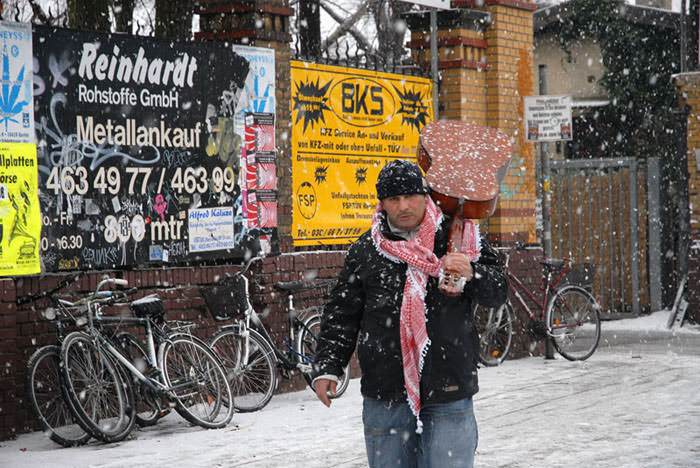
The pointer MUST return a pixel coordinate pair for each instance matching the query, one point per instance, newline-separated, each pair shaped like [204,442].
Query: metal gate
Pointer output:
[597,205]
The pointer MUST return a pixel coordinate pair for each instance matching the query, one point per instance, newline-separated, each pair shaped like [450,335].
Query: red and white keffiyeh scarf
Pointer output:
[422,262]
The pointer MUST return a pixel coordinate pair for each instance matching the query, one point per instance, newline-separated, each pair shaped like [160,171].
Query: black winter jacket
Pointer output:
[367,302]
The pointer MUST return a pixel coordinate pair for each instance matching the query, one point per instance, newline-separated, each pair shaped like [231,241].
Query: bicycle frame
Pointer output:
[250,316]
[548,287]
[294,324]
[517,288]
[61,314]
[253,362]
[565,310]
[104,343]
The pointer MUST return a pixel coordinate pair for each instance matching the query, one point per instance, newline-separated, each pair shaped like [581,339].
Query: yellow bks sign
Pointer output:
[20,216]
[347,124]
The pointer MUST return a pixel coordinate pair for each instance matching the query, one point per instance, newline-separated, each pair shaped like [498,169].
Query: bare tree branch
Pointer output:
[38,12]
[147,10]
[387,16]
[346,25]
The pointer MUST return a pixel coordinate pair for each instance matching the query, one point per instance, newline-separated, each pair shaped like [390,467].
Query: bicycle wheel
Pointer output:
[253,380]
[196,380]
[308,339]
[100,399]
[495,328]
[573,321]
[150,406]
[43,388]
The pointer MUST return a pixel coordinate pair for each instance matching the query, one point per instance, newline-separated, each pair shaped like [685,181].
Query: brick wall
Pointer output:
[23,329]
[8,364]
[689,88]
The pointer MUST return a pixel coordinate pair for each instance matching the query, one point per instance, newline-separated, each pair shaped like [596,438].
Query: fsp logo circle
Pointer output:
[306,200]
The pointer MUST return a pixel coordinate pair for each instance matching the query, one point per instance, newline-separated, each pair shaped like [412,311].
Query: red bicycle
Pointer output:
[567,313]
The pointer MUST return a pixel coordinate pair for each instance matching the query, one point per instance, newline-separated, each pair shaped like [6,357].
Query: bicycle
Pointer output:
[246,348]
[183,370]
[568,314]
[43,381]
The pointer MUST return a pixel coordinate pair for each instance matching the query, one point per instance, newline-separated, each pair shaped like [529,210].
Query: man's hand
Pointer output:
[454,273]
[458,262]
[325,389]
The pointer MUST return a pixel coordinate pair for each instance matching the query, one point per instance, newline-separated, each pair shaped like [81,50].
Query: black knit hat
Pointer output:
[400,177]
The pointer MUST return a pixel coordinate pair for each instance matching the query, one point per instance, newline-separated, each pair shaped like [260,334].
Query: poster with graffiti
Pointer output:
[346,125]
[257,97]
[16,106]
[261,170]
[20,216]
[135,148]
[258,93]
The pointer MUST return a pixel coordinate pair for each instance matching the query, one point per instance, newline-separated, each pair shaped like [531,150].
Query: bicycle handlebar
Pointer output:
[247,265]
[545,261]
[97,295]
[291,287]
[115,281]
[62,284]
[517,246]
[115,296]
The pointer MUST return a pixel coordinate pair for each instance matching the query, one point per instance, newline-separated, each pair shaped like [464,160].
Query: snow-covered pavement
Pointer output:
[634,403]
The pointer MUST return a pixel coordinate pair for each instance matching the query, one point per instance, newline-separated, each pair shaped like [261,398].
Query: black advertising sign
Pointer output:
[132,165]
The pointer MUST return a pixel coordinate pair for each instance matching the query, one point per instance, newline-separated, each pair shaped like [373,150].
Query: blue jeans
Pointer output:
[449,435]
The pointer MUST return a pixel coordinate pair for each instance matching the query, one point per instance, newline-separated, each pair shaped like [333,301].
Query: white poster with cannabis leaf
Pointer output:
[16,104]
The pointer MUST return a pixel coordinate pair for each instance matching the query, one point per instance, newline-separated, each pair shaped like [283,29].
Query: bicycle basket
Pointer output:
[581,274]
[227,298]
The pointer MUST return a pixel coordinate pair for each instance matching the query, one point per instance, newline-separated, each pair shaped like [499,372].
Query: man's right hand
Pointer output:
[325,389]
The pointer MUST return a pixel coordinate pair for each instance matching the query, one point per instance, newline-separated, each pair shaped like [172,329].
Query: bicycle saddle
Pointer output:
[148,306]
[294,286]
[553,263]
[291,286]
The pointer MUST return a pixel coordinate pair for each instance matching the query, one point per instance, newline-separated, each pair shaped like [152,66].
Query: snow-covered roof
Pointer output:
[550,15]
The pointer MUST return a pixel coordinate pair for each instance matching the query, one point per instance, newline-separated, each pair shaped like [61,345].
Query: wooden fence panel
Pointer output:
[591,223]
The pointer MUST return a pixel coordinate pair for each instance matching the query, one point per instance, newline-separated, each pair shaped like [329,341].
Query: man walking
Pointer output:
[418,348]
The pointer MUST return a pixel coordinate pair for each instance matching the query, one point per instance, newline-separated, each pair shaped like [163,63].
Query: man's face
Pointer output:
[405,211]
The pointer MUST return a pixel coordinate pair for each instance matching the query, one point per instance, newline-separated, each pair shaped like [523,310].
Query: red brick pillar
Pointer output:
[9,359]
[485,60]
[689,89]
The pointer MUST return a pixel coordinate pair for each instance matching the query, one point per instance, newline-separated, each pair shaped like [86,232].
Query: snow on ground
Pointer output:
[634,403]
[654,322]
